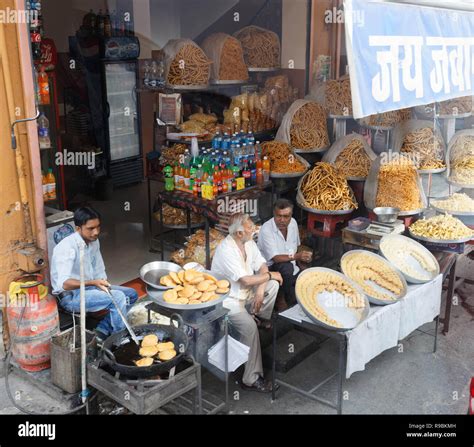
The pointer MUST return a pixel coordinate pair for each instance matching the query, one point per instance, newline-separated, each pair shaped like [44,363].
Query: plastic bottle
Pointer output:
[216,141]
[51,185]
[246,174]
[253,173]
[192,178]
[259,165]
[43,87]
[266,169]
[45,186]
[43,132]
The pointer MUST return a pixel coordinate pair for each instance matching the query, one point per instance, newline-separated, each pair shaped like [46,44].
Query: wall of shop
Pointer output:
[294,34]
[16,102]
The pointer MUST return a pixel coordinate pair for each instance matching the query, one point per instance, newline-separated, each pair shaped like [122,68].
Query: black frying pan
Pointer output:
[119,350]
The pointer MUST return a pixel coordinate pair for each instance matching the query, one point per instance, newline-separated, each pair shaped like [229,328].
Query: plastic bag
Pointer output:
[429,152]
[399,186]
[315,130]
[225,66]
[460,159]
[261,47]
[194,71]
[338,147]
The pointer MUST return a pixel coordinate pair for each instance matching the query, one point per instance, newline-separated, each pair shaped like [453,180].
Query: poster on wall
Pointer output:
[402,56]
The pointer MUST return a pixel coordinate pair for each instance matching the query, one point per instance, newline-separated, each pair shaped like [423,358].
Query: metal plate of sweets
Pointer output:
[334,304]
[398,240]
[372,284]
[441,241]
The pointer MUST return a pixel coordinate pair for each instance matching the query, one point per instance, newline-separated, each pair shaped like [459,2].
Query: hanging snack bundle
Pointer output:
[186,63]
[338,97]
[261,47]
[227,57]
[387,119]
[461,158]
[352,156]
[422,141]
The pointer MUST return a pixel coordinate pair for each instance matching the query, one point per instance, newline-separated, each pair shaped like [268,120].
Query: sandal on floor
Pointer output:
[260,385]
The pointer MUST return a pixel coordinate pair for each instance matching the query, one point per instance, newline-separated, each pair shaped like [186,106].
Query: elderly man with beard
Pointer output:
[252,293]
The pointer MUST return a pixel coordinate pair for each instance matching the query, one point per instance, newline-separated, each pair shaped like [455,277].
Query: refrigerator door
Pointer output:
[121,81]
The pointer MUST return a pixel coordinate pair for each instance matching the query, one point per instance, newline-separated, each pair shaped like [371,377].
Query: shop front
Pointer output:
[254,170]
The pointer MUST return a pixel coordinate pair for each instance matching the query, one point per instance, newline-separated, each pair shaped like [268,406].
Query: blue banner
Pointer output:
[404,55]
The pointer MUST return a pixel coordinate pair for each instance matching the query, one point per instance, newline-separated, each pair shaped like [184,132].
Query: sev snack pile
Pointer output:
[338,97]
[397,186]
[388,119]
[282,158]
[261,47]
[353,161]
[462,160]
[441,227]
[455,106]
[323,188]
[172,154]
[426,146]
[190,66]
[457,202]
[308,128]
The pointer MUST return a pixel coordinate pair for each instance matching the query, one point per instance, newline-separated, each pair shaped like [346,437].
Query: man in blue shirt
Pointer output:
[65,274]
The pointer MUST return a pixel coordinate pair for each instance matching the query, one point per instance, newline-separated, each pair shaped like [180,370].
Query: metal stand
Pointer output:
[196,325]
[314,330]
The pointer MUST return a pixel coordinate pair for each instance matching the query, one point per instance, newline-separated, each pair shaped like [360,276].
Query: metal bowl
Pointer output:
[152,272]
[386,214]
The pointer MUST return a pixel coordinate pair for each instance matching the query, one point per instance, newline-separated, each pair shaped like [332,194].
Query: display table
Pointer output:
[383,329]
[215,210]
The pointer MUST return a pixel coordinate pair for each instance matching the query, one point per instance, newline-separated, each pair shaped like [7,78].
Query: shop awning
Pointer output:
[407,55]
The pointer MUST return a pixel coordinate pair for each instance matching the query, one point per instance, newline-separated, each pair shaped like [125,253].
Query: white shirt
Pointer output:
[65,262]
[272,243]
[229,261]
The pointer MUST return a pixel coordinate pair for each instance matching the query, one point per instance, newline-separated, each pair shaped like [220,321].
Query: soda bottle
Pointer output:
[176,174]
[43,87]
[259,165]
[216,141]
[169,178]
[266,169]
[186,178]
[43,132]
[192,178]
[51,185]
[45,186]
[253,173]
[246,173]
[107,24]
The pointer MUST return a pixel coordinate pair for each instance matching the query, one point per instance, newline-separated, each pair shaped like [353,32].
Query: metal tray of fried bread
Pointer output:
[398,240]
[157,297]
[333,303]
[373,299]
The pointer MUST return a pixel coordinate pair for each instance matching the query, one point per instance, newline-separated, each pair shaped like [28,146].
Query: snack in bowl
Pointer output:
[149,340]
[193,287]
[148,351]
[145,361]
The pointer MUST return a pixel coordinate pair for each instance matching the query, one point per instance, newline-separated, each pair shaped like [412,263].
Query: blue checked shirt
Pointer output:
[65,262]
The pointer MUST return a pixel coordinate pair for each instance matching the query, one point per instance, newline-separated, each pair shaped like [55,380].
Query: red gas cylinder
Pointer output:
[31,338]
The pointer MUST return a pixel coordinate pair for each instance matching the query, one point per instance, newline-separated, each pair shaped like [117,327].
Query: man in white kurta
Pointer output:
[278,241]
[252,294]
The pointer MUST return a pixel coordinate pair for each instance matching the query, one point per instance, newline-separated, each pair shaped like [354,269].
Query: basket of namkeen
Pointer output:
[227,58]
[338,97]
[416,263]
[386,120]
[284,162]
[331,299]
[261,47]
[323,190]
[460,159]
[382,283]
[393,181]
[191,289]
[442,228]
[352,156]
[186,64]
[304,127]
[423,143]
